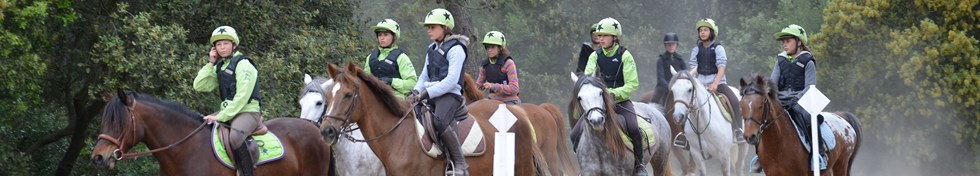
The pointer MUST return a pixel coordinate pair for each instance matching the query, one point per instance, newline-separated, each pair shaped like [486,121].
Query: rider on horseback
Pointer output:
[794,72]
[236,78]
[387,62]
[618,70]
[708,60]
[499,72]
[441,83]
[670,58]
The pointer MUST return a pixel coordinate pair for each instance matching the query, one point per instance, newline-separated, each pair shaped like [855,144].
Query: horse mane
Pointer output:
[612,126]
[117,110]
[381,90]
[470,91]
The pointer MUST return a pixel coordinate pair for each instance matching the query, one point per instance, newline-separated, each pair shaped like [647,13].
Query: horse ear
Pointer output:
[574,78]
[761,81]
[673,71]
[333,70]
[351,67]
[307,79]
[741,83]
[126,100]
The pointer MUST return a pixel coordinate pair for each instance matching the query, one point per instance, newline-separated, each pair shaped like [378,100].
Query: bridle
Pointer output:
[766,123]
[348,128]
[120,153]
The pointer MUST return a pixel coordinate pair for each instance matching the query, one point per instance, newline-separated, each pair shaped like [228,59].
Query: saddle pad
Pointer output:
[270,148]
[725,107]
[825,132]
[474,143]
[647,133]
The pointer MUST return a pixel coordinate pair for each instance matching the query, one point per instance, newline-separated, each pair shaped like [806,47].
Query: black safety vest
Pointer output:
[387,68]
[611,68]
[672,60]
[227,81]
[792,75]
[438,67]
[707,59]
[493,72]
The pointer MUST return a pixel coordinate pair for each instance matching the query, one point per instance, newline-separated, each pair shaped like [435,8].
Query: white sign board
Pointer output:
[814,101]
[503,154]
[502,119]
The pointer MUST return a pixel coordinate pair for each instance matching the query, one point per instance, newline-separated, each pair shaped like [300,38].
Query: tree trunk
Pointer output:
[464,26]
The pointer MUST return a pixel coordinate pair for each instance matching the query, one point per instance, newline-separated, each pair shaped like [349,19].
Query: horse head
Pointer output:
[757,107]
[590,94]
[343,97]
[313,98]
[119,132]
[687,92]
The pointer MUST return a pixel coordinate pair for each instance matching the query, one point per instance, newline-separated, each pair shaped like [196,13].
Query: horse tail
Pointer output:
[852,119]
[540,164]
[564,153]
[470,90]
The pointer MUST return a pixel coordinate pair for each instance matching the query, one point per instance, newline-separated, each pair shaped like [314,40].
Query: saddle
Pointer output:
[829,140]
[263,145]
[645,128]
[473,143]
[726,106]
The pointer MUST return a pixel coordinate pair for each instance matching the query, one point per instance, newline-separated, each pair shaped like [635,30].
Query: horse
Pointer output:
[169,130]
[774,134]
[356,156]
[708,134]
[687,165]
[386,122]
[549,127]
[601,149]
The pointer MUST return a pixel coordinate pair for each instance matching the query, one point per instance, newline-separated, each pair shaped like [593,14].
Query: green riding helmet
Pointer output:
[224,33]
[592,29]
[793,31]
[441,17]
[609,26]
[388,25]
[707,22]
[495,38]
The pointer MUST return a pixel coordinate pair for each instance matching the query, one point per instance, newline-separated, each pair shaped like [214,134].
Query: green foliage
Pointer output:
[921,59]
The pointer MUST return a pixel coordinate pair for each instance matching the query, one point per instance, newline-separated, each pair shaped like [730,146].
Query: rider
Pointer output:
[387,62]
[708,61]
[670,58]
[441,83]
[499,72]
[587,49]
[794,72]
[618,70]
[235,77]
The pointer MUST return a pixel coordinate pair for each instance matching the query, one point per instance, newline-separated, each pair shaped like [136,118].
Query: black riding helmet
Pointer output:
[670,38]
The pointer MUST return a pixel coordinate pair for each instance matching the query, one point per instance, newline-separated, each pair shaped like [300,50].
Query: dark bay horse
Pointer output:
[779,147]
[549,129]
[687,164]
[181,149]
[388,125]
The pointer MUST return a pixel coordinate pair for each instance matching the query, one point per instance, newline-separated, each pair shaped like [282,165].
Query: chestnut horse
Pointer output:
[549,128]
[181,149]
[779,147]
[387,123]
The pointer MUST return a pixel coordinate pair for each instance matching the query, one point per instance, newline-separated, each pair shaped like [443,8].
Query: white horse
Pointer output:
[709,134]
[352,158]
[601,150]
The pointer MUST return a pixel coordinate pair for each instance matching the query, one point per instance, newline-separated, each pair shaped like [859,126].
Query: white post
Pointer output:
[814,101]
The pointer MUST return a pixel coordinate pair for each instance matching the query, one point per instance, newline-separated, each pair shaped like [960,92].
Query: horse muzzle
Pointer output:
[104,161]
[330,134]
[752,139]
[597,124]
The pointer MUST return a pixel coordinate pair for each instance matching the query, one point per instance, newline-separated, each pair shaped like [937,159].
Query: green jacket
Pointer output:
[402,85]
[629,73]
[245,74]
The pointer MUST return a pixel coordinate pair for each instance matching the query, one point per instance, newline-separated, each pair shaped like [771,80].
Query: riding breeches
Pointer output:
[628,120]
[445,109]
[242,126]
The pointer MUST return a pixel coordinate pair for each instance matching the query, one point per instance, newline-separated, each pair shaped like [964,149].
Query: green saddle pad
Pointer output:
[724,110]
[644,127]
[270,148]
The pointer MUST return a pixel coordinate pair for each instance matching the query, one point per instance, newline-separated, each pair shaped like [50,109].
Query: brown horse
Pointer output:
[549,129]
[169,129]
[687,164]
[387,123]
[779,147]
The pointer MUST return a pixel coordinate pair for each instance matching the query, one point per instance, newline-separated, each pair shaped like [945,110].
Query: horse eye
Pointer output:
[347,95]
[319,103]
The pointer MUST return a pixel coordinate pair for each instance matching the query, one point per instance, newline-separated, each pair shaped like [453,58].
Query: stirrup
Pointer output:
[681,141]
[739,139]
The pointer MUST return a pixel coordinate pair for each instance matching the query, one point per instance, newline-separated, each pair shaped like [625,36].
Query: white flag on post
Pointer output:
[814,101]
